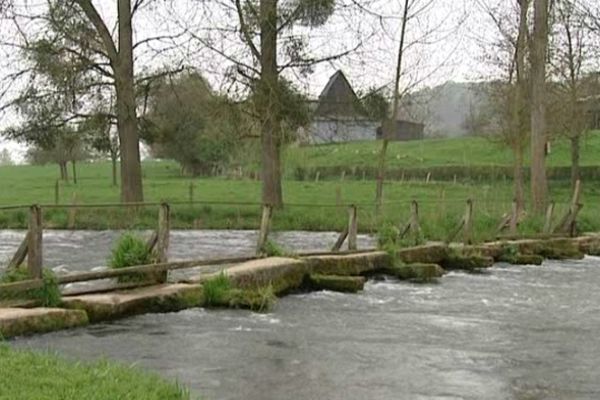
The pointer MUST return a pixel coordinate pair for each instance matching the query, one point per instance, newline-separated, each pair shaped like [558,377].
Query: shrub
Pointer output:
[216,290]
[48,295]
[388,236]
[272,249]
[130,251]
[219,292]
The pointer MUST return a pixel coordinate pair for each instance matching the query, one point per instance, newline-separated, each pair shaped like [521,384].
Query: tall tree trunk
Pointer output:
[575,155]
[113,159]
[64,173]
[389,127]
[539,183]
[131,169]
[519,112]
[518,178]
[268,95]
[74,171]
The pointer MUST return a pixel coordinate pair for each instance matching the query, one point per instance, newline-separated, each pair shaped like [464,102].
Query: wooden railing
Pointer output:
[31,248]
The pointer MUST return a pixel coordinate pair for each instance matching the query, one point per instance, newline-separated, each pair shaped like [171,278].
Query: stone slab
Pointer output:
[160,298]
[27,321]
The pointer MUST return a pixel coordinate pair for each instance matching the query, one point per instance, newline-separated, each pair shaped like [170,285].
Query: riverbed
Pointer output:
[515,332]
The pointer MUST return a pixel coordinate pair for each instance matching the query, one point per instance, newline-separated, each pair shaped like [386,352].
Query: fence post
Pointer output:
[20,255]
[164,231]
[468,228]
[72,212]
[352,228]
[57,192]
[265,225]
[514,218]
[569,221]
[549,215]
[34,245]
[191,192]
[415,227]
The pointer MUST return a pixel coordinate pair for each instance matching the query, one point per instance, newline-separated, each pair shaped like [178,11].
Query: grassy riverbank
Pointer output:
[29,375]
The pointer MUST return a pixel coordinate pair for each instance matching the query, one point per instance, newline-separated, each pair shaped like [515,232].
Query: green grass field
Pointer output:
[28,375]
[442,203]
[468,151]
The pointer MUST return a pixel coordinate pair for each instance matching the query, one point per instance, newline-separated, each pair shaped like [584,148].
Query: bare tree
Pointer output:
[412,11]
[390,124]
[570,51]
[510,95]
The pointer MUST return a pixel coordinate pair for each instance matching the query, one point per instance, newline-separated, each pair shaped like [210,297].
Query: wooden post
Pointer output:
[164,230]
[428,179]
[265,226]
[162,240]
[338,196]
[20,255]
[455,180]
[191,192]
[514,218]
[415,227]
[549,215]
[468,227]
[57,192]
[317,176]
[34,245]
[72,212]
[352,228]
[343,177]
[569,221]
[340,241]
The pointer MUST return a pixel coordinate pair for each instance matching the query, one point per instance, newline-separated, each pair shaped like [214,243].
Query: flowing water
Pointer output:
[512,333]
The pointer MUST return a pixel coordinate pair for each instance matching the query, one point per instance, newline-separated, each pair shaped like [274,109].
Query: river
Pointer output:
[515,332]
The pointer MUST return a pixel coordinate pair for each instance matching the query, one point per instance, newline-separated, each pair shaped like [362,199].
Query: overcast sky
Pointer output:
[447,41]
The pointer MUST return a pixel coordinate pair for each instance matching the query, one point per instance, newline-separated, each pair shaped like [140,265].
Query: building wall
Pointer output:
[337,130]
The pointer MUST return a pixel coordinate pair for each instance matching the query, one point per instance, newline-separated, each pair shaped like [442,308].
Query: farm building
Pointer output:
[339,117]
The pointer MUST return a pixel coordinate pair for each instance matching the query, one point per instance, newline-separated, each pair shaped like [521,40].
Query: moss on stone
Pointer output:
[418,272]
[472,263]
[336,283]
[552,249]
[431,254]
[40,320]
[348,265]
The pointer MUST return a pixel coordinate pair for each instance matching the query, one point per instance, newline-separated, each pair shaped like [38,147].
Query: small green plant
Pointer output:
[130,251]
[272,249]
[219,292]
[510,253]
[216,290]
[48,295]
[388,235]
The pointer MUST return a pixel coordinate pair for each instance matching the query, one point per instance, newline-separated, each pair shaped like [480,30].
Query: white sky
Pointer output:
[452,52]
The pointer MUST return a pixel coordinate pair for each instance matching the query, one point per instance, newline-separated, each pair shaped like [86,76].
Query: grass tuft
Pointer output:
[130,251]
[47,296]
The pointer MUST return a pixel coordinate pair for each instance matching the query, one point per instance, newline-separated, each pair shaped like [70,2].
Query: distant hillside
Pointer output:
[445,109]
